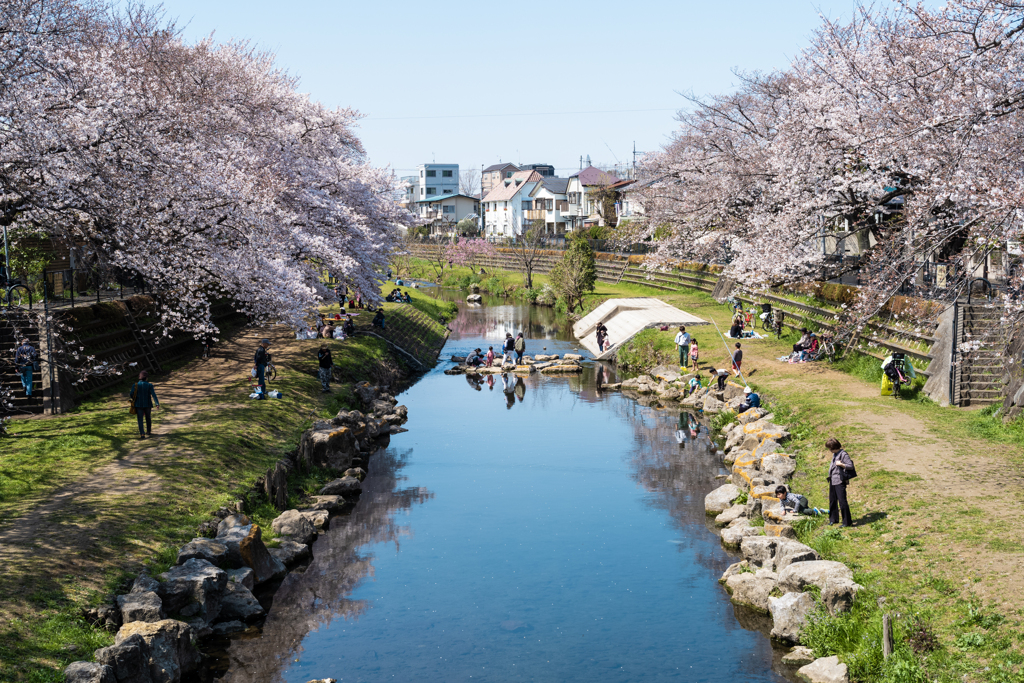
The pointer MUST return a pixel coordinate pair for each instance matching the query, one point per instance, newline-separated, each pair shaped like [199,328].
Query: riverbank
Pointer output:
[89,506]
[933,531]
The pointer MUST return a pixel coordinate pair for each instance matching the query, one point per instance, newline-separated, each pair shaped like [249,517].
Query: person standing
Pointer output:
[683,345]
[144,399]
[508,348]
[326,363]
[694,353]
[25,358]
[260,361]
[737,360]
[520,347]
[490,357]
[602,337]
[840,472]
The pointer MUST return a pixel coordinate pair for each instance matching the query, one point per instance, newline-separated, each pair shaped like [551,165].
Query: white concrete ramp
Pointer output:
[624,318]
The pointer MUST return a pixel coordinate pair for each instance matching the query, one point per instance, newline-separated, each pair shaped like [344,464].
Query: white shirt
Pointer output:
[682,338]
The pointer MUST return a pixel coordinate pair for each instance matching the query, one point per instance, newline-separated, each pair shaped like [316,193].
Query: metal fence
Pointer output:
[71,287]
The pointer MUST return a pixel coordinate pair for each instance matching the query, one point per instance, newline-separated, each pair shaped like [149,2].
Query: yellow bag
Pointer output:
[886,386]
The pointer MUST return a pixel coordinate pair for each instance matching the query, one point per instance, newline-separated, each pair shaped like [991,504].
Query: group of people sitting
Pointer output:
[397,296]
[336,327]
[805,349]
[742,324]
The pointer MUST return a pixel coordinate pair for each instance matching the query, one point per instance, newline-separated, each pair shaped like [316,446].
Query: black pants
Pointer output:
[721,382]
[147,414]
[837,504]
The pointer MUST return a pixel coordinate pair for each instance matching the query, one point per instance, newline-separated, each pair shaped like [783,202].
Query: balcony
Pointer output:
[535,215]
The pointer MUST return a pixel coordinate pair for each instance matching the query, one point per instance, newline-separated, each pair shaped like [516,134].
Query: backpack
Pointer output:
[520,345]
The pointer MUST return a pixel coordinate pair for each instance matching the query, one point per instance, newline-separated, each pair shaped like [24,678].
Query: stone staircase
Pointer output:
[15,325]
[411,330]
[979,378]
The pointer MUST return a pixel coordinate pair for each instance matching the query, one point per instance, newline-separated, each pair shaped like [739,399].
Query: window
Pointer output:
[562,205]
[549,204]
[421,174]
[421,191]
[446,174]
[431,191]
[527,205]
[431,174]
[447,208]
[508,174]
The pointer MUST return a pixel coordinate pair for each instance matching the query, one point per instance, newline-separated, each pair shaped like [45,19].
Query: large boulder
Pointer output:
[713,405]
[798,575]
[767,446]
[775,553]
[290,553]
[213,551]
[129,660]
[326,504]
[140,606]
[824,670]
[88,672]
[332,446]
[733,535]
[790,552]
[231,538]
[320,519]
[243,577]
[265,566]
[799,656]
[345,486]
[838,594]
[731,515]
[732,391]
[763,428]
[194,588]
[239,604]
[733,569]
[232,521]
[779,466]
[293,524]
[721,499]
[169,652]
[665,373]
[789,614]
[752,415]
[752,590]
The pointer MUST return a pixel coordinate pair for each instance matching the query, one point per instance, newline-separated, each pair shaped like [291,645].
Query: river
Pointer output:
[550,532]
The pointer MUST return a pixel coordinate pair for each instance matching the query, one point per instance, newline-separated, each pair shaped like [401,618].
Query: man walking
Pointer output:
[326,363]
[261,361]
[508,347]
[144,399]
[520,347]
[24,360]
[683,345]
[840,472]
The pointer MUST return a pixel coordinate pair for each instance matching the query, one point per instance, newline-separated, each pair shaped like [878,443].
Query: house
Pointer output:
[408,192]
[546,170]
[437,179]
[584,211]
[492,175]
[505,207]
[550,204]
[627,205]
[442,213]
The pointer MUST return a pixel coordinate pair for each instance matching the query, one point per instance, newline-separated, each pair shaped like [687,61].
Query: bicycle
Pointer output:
[826,350]
[14,294]
[766,317]
[778,317]
[896,371]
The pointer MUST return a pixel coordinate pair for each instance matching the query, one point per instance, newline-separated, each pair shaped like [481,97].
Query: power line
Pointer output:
[536,113]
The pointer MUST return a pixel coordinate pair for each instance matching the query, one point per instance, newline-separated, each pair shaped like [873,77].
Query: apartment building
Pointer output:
[493,175]
[435,180]
[443,212]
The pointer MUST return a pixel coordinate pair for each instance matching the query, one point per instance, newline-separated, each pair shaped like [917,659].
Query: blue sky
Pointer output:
[423,73]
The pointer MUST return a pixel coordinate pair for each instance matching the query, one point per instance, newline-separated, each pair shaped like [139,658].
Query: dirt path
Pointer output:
[64,535]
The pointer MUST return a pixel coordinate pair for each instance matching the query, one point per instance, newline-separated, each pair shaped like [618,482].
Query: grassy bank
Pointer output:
[131,504]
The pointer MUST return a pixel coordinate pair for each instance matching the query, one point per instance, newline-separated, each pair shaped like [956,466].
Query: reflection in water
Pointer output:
[310,600]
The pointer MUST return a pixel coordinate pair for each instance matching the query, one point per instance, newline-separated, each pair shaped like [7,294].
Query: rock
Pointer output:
[564,369]
[732,456]
[775,553]
[721,499]
[759,551]
[168,651]
[752,590]
[572,356]
[612,387]
[824,670]
[838,594]
[195,581]
[713,405]
[323,680]
[799,656]
[243,577]
[332,445]
[357,472]
[326,503]
[239,604]
[798,575]
[752,415]
[232,538]
[141,606]
[731,515]
[669,395]
[275,484]
[107,617]
[289,552]
[789,614]
[763,428]
[380,408]
[778,466]
[144,584]
[291,523]
[541,358]
[265,567]
[232,521]
[734,535]
[790,552]
[665,373]
[129,660]
[88,672]
[474,298]
[779,531]
[320,519]
[346,486]
[766,447]
[732,391]
[213,551]
[226,628]
[733,569]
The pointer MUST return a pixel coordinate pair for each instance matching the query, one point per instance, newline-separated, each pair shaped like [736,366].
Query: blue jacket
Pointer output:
[145,396]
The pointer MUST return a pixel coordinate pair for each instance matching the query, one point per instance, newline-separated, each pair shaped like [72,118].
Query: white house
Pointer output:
[442,213]
[582,212]
[505,207]
[550,204]
[437,179]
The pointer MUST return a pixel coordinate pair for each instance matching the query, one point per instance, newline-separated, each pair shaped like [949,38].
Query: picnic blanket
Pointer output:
[753,335]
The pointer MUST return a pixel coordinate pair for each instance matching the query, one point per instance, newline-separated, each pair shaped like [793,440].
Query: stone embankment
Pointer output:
[211,590]
[778,576]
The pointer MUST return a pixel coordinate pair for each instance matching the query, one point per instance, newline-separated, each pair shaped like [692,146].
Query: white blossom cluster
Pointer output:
[198,166]
[900,130]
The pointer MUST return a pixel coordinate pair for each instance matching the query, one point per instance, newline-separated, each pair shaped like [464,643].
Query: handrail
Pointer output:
[952,355]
